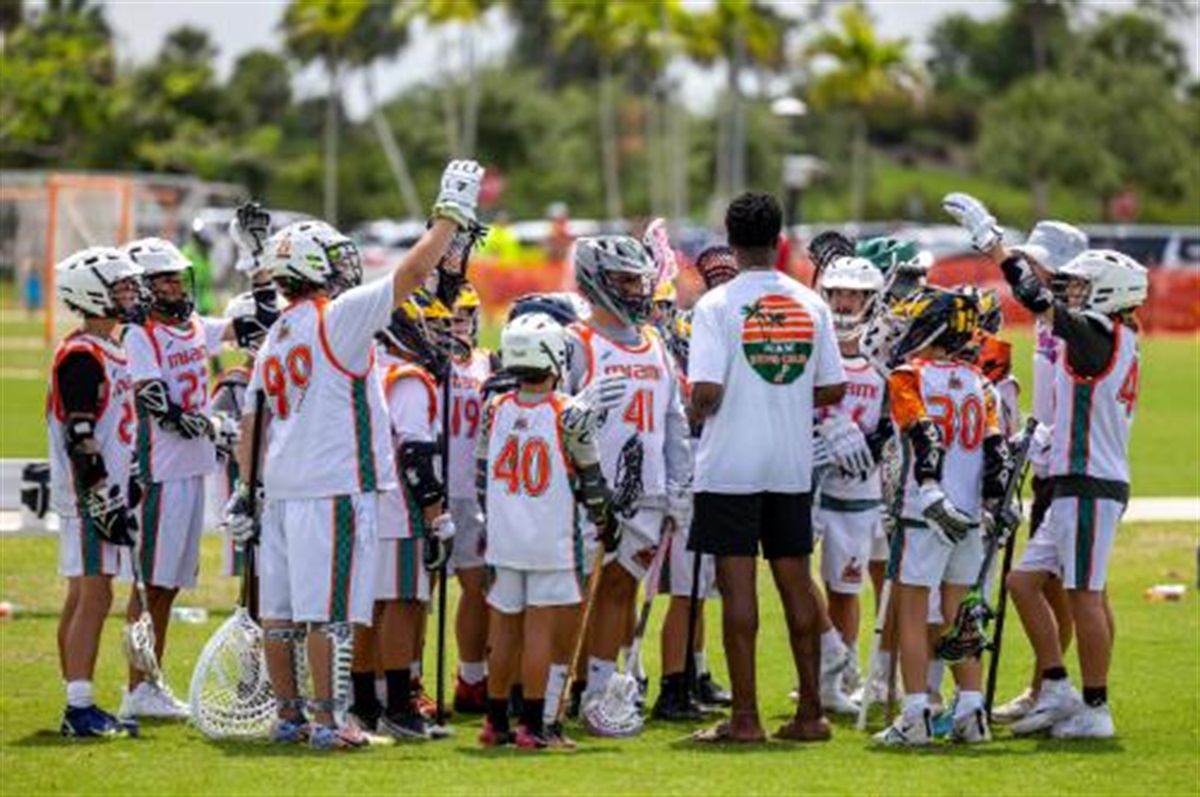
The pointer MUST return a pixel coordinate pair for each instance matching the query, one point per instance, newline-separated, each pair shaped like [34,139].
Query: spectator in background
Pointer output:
[501,242]
[558,242]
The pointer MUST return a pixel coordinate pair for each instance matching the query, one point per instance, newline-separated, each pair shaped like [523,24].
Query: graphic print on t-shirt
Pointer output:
[777,338]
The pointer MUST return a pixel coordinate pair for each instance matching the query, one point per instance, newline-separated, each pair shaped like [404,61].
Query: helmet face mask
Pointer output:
[930,317]
[163,267]
[851,286]
[312,254]
[1105,282]
[617,274]
[410,336]
[101,282]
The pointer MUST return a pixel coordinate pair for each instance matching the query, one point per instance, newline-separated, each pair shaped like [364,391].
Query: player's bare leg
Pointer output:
[364,667]
[737,580]
[280,650]
[65,618]
[1094,638]
[505,632]
[401,625]
[1037,617]
[565,629]
[541,641]
[801,608]
[609,632]
[86,625]
[470,631]
[877,570]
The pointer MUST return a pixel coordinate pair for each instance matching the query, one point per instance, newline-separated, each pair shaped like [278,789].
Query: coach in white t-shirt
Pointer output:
[763,357]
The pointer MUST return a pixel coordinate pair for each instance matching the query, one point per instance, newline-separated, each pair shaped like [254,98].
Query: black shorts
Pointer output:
[725,524]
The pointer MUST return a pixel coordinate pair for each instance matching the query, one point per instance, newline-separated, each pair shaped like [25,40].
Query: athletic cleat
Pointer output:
[290,731]
[93,722]
[424,703]
[409,725]
[470,698]
[711,693]
[835,701]
[556,738]
[1057,701]
[490,737]
[675,705]
[971,728]
[1015,709]
[324,737]
[150,700]
[525,739]
[366,718]
[1090,722]
[907,731]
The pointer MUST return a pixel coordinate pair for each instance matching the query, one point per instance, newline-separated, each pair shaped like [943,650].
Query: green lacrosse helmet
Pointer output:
[886,252]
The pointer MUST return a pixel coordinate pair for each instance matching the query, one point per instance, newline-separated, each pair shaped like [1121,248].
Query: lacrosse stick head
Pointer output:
[967,638]
[231,695]
[139,646]
[615,713]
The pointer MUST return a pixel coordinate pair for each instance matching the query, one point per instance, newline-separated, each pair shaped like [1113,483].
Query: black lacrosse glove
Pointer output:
[109,513]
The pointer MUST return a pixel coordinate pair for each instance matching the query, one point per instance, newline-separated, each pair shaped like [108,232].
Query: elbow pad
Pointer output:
[152,400]
[85,454]
[1026,287]
[594,493]
[997,466]
[419,466]
[928,453]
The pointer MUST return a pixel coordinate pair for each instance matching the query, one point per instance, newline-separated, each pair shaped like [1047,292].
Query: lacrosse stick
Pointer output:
[439,730]
[139,637]
[967,637]
[657,240]
[616,713]
[593,587]
[231,694]
[826,247]
[885,603]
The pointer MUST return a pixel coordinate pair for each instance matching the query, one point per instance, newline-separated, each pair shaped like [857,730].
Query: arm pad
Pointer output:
[153,400]
[926,442]
[419,469]
[1026,287]
[878,438]
[997,466]
[85,454]
[594,493]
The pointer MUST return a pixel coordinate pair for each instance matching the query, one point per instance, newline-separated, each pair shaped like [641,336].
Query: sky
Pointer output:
[239,26]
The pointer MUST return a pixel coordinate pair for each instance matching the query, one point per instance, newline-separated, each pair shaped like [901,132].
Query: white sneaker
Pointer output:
[852,675]
[909,730]
[1057,701]
[971,728]
[833,660]
[835,701]
[1090,722]
[1015,709]
[149,700]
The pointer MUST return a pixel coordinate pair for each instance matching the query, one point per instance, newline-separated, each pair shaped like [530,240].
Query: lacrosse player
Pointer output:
[321,478]
[470,367]
[535,457]
[168,361]
[847,515]
[958,459]
[90,415]
[643,445]
[414,527]
[763,358]
[1096,381]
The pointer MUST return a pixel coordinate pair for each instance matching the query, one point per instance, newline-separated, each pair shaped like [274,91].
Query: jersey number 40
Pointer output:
[523,466]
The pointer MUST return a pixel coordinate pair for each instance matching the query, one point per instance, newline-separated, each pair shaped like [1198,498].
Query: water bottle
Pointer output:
[189,614]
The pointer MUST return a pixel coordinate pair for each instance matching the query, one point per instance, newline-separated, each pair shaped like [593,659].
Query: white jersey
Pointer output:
[532,520]
[320,441]
[864,403]
[954,397]
[642,420]
[412,405]
[1046,354]
[466,412]
[178,357]
[1093,417]
[114,424]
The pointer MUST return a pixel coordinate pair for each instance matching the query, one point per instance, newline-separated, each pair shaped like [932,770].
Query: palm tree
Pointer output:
[867,68]
[321,30]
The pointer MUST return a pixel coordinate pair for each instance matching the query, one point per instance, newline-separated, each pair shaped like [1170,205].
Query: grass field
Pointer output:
[1166,436]
[1153,683]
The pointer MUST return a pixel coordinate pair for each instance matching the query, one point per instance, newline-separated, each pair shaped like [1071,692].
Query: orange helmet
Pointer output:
[995,358]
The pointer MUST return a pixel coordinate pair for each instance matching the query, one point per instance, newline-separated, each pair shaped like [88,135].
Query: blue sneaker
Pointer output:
[289,731]
[325,737]
[943,723]
[95,723]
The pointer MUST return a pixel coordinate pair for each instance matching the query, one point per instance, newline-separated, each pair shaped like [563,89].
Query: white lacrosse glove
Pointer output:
[587,409]
[947,521]
[822,457]
[976,218]
[227,431]
[442,527]
[237,520]
[459,194]
[847,445]
[249,229]
[1039,446]
[679,507]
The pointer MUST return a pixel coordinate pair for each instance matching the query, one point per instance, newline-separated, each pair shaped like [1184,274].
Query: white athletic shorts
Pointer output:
[172,521]
[513,591]
[470,538]
[845,545]
[640,535]
[921,559]
[316,559]
[677,570]
[1075,541]
[880,549]
[83,552]
[400,573]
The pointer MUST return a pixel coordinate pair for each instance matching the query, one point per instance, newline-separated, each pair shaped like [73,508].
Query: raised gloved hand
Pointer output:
[249,229]
[109,513]
[976,218]
[847,445]
[948,521]
[238,521]
[442,527]
[459,194]
[584,411]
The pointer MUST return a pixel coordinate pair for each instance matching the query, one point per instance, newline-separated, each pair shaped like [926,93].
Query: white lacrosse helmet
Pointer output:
[86,282]
[1116,281]
[156,256]
[316,253]
[852,274]
[533,343]
[1053,244]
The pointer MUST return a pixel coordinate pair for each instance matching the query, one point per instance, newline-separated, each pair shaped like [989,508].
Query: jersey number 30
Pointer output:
[524,467]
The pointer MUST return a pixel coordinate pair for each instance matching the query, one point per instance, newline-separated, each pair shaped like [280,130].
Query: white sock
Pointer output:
[885,666]
[80,694]
[472,671]
[915,703]
[701,660]
[967,703]
[556,681]
[600,672]
[831,640]
[933,679]
[852,651]
[415,669]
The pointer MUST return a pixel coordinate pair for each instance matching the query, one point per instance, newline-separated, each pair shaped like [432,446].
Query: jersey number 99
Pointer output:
[295,368]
